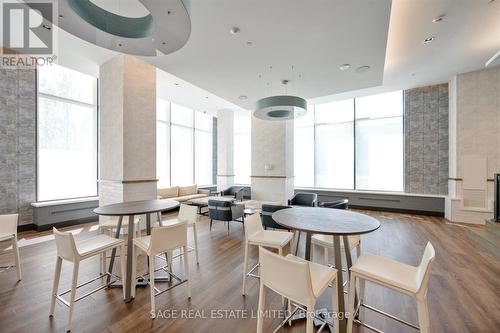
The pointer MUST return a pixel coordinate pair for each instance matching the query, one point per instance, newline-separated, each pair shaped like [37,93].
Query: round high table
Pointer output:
[130,209]
[327,221]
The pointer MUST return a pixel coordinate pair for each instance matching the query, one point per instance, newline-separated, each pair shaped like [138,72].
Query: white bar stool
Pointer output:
[300,281]
[326,242]
[188,214]
[110,226]
[409,280]
[162,240]
[256,235]
[8,231]
[74,252]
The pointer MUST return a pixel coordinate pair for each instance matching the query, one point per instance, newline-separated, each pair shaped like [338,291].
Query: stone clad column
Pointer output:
[127,130]
[225,149]
[272,160]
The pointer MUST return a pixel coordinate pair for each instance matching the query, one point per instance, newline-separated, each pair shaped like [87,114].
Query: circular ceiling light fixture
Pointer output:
[156,32]
[439,18]
[362,69]
[243,97]
[283,107]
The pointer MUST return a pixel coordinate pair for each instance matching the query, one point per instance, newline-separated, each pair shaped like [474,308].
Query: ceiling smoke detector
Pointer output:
[362,69]
[438,18]
[234,30]
[429,39]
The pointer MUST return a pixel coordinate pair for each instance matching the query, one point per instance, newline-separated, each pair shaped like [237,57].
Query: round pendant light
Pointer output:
[282,107]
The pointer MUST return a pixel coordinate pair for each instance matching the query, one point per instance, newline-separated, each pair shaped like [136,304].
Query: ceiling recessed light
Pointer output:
[429,39]
[243,97]
[176,84]
[234,30]
[46,27]
[249,43]
[61,16]
[163,43]
[362,69]
[439,18]
[344,67]
[206,97]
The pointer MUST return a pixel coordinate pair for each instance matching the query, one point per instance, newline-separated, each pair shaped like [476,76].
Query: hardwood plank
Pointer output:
[464,293]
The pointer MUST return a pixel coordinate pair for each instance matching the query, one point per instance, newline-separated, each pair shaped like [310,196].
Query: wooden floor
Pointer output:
[464,292]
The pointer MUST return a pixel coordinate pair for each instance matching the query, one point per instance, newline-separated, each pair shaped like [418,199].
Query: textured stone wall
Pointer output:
[426,140]
[17,142]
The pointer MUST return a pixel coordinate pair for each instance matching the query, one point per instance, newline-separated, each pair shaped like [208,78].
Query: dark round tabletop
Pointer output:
[326,221]
[136,207]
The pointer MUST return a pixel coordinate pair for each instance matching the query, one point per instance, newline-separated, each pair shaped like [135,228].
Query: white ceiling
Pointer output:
[316,37]
[313,36]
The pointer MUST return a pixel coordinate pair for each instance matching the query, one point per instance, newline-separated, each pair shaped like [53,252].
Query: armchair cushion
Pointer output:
[267,219]
[304,199]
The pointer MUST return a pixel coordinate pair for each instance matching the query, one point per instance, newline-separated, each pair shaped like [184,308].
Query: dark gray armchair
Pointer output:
[303,199]
[225,211]
[237,192]
[337,204]
[267,218]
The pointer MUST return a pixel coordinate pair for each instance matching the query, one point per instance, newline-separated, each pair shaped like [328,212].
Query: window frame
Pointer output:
[193,129]
[94,105]
[355,120]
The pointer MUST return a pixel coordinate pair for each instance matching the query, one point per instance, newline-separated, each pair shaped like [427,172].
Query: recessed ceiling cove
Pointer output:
[315,37]
[164,27]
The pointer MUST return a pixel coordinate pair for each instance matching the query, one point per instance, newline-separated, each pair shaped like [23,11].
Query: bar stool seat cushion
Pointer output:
[387,271]
[97,244]
[270,238]
[327,241]
[177,221]
[321,275]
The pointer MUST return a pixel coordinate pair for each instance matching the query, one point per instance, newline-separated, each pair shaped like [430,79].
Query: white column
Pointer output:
[225,149]
[272,160]
[127,130]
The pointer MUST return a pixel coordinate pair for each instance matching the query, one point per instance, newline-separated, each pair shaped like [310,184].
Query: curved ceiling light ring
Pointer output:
[283,107]
[164,30]
[128,27]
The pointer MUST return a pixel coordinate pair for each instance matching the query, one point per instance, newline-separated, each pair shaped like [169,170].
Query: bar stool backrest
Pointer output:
[424,269]
[289,278]
[188,213]
[66,246]
[253,225]
[168,237]
[8,224]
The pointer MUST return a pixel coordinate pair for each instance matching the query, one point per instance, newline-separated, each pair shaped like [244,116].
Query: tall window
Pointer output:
[163,143]
[304,149]
[242,148]
[379,142]
[352,144]
[183,145]
[67,134]
[203,159]
[335,144]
